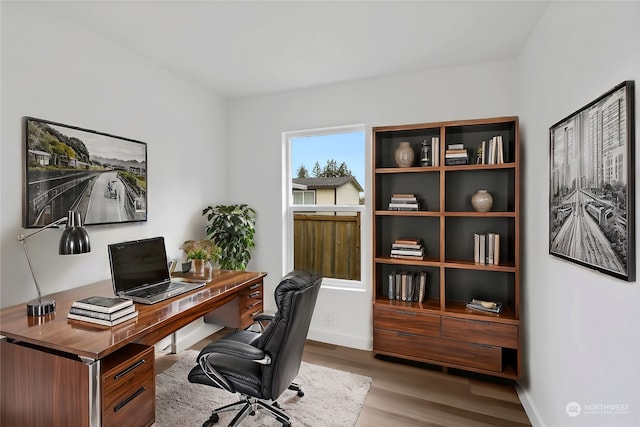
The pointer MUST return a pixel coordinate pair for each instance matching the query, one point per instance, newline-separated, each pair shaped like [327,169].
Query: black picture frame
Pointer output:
[101,176]
[591,185]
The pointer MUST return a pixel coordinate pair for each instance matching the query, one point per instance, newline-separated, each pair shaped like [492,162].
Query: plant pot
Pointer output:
[202,268]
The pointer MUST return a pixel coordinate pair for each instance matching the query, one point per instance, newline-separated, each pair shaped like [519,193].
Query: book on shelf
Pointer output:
[408,241]
[398,285]
[459,146]
[421,287]
[412,257]
[435,150]
[455,153]
[456,161]
[487,306]
[103,322]
[102,304]
[406,246]
[104,316]
[407,251]
[486,248]
[404,206]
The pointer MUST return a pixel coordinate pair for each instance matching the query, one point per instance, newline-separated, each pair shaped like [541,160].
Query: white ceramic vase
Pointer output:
[404,155]
[482,201]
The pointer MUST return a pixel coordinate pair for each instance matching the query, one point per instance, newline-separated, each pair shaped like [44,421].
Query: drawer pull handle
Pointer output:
[481,345]
[407,313]
[253,305]
[406,334]
[255,314]
[253,294]
[129,369]
[128,399]
[252,287]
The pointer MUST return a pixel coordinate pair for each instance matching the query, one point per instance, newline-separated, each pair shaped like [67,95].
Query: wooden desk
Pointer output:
[51,368]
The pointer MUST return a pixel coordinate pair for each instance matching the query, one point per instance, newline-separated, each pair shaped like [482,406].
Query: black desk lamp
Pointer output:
[74,240]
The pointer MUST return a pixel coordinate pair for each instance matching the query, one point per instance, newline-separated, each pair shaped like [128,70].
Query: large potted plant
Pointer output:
[232,229]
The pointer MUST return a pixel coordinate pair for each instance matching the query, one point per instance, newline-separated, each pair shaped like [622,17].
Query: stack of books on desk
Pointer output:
[108,311]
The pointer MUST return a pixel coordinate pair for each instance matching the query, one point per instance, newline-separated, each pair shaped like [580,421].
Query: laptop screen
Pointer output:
[138,263]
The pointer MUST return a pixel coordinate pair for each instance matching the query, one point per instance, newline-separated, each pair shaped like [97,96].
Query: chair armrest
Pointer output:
[240,350]
[263,317]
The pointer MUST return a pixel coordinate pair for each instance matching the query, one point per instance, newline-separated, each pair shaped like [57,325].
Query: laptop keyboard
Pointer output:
[156,290]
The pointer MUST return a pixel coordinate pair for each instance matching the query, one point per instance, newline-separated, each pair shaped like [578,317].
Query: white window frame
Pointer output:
[289,209]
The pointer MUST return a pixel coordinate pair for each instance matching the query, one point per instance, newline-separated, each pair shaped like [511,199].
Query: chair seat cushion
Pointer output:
[242,335]
[243,375]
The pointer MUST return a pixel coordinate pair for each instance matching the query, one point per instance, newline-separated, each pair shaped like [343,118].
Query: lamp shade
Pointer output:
[74,239]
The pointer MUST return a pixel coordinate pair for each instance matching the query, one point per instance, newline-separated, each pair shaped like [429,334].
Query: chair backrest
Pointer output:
[284,338]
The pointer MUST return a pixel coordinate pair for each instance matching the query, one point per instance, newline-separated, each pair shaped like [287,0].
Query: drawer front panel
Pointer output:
[435,349]
[480,332]
[250,304]
[128,386]
[406,321]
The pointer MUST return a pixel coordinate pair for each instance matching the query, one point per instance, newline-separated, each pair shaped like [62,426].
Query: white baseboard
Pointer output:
[332,337]
[529,407]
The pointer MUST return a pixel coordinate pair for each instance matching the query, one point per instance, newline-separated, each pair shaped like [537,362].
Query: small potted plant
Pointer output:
[232,228]
[200,252]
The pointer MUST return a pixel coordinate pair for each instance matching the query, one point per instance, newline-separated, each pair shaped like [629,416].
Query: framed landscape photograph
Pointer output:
[591,185]
[101,176]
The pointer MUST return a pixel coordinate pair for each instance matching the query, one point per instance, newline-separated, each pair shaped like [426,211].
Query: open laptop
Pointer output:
[139,271]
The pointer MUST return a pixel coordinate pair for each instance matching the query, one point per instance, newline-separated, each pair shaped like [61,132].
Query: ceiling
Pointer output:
[245,48]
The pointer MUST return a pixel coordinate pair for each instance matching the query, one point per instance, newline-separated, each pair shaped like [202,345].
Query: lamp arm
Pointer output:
[22,238]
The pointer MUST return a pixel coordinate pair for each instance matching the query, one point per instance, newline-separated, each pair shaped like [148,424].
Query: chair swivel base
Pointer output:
[249,406]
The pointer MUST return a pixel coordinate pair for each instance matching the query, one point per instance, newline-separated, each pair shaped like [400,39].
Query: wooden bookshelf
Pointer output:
[441,330]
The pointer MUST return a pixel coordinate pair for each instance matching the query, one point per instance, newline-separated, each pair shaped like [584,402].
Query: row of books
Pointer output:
[490,152]
[481,305]
[486,248]
[407,285]
[456,154]
[107,311]
[404,202]
[407,249]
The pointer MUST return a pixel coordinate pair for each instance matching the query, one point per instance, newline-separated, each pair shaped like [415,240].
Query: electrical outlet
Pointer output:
[328,319]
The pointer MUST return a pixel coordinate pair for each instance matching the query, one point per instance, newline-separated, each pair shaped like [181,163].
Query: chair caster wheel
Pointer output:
[213,419]
[252,413]
[276,404]
[286,424]
[300,393]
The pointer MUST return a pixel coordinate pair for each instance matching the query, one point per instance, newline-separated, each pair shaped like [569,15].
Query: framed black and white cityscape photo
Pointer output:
[101,176]
[591,185]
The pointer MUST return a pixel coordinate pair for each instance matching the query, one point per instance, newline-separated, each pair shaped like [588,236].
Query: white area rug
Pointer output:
[332,398]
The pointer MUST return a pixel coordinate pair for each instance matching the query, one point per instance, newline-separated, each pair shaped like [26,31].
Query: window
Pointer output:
[325,188]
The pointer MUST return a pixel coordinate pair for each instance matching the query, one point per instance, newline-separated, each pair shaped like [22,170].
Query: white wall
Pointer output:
[57,71]
[256,125]
[582,328]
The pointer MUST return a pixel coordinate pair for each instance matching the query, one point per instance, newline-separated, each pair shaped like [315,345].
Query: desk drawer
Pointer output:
[481,332]
[406,321]
[128,386]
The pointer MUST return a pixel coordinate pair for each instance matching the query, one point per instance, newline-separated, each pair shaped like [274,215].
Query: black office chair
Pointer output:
[261,366]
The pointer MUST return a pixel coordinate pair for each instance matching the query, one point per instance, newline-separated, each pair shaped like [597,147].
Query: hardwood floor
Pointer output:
[405,395]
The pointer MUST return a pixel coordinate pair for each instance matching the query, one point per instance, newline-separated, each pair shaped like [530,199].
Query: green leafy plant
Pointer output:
[232,228]
[201,249]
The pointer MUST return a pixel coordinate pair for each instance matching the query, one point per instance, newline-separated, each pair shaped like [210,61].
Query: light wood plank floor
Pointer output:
[404,395]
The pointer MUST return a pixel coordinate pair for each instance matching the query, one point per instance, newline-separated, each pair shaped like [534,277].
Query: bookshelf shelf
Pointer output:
[450,334]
